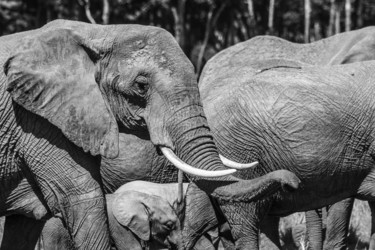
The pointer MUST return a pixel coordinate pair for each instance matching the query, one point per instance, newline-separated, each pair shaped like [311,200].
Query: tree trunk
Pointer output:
[105,15]
[331,18]
[86,6]
[204,43]
[359,14]
[209,25]
[270,16]
[317,31]
[307,20]
[348,11]
[337,20]
[179,22]
[250,6]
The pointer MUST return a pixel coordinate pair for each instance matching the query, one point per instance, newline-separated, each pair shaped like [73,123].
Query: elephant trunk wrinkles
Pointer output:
[195,145]
[193,140]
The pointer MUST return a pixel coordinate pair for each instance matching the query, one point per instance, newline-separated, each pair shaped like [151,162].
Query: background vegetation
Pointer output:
[203,28]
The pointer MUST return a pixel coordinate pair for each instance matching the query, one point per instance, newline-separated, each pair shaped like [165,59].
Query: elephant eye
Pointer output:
[170,225]
[141,83]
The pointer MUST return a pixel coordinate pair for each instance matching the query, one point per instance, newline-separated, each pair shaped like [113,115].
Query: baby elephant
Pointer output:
[141,215]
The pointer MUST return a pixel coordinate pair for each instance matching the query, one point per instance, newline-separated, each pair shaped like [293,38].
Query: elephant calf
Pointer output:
[140,214]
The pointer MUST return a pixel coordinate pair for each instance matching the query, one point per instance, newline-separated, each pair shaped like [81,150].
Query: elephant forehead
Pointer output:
[146,58]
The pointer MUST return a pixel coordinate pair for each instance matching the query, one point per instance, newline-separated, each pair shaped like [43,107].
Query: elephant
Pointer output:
[314,121]
[68,89]
[140,214]
[343,48]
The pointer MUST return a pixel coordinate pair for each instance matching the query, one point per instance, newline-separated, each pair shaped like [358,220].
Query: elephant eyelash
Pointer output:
[169,225]
[115,82]
[141,83]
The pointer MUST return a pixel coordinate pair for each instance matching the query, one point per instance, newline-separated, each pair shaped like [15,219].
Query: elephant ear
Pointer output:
[130,212]
[53,75]
[362,51]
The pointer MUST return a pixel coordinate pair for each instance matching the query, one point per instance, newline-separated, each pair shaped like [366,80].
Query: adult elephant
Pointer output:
[67,88]
[343,48]
[310,120]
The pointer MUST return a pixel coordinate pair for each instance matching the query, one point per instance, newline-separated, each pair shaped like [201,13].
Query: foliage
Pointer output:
[202,27]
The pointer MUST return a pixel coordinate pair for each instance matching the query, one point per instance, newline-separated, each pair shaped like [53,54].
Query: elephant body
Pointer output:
[342,48]
[264,52]
[313,121]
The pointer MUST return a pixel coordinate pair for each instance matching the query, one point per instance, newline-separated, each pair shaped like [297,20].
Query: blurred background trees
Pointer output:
[201,27]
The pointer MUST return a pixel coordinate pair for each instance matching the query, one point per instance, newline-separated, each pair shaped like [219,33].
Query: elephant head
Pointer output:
[137,217]
[92,81]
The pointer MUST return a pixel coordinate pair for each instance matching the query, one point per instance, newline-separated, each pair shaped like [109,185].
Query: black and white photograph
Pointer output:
[187,124]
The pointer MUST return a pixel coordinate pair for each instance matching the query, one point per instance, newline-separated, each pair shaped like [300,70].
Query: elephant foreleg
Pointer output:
[270,227]
[244,220]
[21,233]
[314,229]
[338,219]
[55,236]
[372,239]
[70,185]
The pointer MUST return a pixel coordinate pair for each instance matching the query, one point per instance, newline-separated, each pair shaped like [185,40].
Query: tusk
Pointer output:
[236,165]
[191,170]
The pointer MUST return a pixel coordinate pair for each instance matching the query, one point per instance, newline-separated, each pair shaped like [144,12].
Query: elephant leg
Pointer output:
[244,219]
[270,227]
[56,236]
[206,243]
[69,182]
[367,192]
[314,230]
[200,216]
[226,236]
[338,219]
[372,238]
[21,232]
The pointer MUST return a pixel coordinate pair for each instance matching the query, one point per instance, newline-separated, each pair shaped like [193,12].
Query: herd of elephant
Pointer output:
[98,121]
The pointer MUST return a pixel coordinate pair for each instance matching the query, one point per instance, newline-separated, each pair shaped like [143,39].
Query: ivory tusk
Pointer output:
[191,170]
[236,165]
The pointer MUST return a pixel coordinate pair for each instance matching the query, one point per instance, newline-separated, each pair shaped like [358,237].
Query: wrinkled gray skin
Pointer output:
[67,89]
[132,209]
[314,121]
[344,48]
[137,160]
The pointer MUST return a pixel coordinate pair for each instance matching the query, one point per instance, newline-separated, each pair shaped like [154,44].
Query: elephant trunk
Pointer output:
[195,146]
[194,142]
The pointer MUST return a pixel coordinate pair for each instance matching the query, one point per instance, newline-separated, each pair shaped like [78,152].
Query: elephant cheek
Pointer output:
[156,115]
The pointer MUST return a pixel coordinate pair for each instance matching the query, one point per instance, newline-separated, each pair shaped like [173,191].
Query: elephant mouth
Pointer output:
[181,165]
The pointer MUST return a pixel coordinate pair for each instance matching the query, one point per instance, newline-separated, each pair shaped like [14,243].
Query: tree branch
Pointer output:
[86,5]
